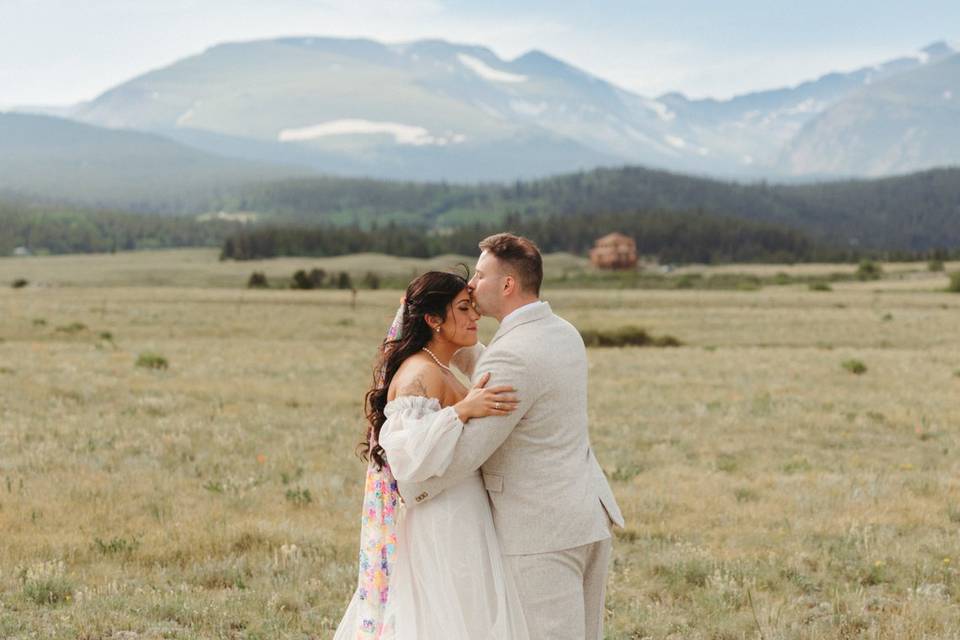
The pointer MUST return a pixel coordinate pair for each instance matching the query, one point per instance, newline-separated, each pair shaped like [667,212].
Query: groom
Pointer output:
[551,503]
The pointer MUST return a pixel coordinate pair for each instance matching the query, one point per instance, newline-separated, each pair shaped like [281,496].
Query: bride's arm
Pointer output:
[482,436]
[419,436]
[416,437]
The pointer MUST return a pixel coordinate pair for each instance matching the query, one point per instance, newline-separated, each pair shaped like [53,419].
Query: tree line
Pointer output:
[671,237]
[55,230]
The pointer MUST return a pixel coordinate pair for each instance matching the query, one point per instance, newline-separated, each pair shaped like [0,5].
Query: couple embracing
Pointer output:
[503,531]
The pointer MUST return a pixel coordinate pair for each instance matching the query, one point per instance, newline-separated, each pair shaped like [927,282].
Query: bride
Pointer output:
[433,572]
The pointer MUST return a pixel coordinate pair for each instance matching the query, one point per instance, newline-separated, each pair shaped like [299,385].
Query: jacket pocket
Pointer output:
[493,482]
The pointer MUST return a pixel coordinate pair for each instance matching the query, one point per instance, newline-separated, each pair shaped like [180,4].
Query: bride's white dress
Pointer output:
[449,581]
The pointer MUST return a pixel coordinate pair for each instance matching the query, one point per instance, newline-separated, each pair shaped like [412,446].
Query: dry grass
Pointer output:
[768,492]
[201,268]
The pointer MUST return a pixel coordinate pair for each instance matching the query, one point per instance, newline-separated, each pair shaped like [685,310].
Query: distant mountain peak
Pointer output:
[446,50]
[940,48]
[537,55]
[537,62]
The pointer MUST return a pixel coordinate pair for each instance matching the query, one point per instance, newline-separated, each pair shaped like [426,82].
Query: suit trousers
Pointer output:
[562,592]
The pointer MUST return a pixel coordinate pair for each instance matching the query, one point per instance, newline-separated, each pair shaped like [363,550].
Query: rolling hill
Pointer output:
[57,160]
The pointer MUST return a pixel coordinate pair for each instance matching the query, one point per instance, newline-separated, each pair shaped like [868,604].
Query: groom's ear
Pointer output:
[509,285]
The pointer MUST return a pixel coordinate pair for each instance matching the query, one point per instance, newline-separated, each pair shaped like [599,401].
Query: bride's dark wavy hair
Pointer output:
[430,294]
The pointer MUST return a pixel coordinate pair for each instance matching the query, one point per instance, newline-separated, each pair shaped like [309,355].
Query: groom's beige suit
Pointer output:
[551,502]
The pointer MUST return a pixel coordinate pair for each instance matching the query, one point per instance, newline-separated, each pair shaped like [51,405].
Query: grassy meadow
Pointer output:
[770,490]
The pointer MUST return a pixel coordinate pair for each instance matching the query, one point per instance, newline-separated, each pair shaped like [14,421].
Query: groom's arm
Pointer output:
[481,436]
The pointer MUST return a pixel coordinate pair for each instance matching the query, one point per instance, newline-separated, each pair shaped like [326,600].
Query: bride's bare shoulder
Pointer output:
[417,376]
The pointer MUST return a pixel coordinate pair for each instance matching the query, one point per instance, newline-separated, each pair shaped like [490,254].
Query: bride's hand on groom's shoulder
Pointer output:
[481,402]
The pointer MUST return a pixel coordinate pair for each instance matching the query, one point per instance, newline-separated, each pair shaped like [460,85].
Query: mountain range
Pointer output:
[44,158]
[434,110]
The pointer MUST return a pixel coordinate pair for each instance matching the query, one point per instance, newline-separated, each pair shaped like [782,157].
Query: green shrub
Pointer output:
[854,366]
[727,463]
[149,360]
[45,584]
[626,473]
[797,465]
[869,270]
[299,497]
[344,281]
[954,286]
[313,279]
[48,591]
[953,513]
[629,336]
[258,280]
[19,283]
[116,546]
[73,327]
[935,265]
[820,286]
[318,277]
[301,280]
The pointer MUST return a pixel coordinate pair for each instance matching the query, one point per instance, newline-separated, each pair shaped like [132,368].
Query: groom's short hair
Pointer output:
[520,255]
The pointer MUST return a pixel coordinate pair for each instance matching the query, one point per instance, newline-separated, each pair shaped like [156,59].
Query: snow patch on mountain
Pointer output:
[487,72]
[662,111]
[807,106]
[675,141]
[402,133]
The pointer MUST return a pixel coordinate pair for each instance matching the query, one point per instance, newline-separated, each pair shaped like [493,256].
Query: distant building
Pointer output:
[614,251]
[22,251]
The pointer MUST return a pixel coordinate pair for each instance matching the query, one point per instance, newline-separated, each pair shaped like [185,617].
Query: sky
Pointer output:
[58,52]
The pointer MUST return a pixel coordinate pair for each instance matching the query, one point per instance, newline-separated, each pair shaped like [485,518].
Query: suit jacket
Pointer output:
[547,491]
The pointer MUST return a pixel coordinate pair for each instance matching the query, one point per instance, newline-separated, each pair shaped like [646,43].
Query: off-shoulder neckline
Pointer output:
[414,401]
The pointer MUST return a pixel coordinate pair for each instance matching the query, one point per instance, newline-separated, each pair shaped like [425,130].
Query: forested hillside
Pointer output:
[61,230]
[904,215]
[917,212]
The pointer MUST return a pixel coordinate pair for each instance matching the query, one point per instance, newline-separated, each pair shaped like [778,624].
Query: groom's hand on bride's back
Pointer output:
[481,402]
